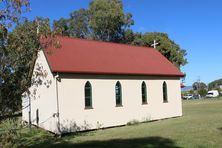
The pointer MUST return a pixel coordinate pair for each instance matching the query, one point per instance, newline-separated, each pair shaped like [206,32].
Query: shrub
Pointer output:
[10,133]
[133,122]
[202,92]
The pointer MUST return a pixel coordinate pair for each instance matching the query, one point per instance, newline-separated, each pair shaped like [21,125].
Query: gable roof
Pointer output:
[95,57]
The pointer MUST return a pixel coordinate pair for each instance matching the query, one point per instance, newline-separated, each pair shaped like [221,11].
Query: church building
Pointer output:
[88,85]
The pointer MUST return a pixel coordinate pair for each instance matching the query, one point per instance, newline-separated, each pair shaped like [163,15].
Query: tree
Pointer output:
[166,46]
[79,24]
[202,92]
[215,84]
[20,53]
[199,85]
[200,88]
[10,12]
[104,20]
[108,21]
[62,26]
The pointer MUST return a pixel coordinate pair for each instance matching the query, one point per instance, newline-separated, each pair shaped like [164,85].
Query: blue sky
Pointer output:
[196,25]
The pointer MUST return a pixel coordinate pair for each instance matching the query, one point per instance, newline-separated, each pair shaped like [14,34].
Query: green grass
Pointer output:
[200,126]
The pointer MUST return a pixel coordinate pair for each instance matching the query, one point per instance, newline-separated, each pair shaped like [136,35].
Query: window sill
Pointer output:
[145,103]
[119,105]
[165,101]
[86,108]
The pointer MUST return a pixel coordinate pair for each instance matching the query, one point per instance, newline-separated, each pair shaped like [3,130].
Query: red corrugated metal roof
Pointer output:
[95,57]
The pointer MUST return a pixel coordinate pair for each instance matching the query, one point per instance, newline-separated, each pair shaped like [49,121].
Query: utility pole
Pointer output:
[198,82]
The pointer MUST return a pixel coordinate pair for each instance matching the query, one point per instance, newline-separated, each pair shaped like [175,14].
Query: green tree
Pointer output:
[108,20]
[166,46]
[202,92]
[62,26]
[10,11]
[199,85]
[75,26]
[20,53]
[215,84]
[79,24]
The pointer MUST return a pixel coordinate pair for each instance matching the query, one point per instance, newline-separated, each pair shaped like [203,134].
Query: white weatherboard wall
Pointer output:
[72,113]
[43,97]
[74,116]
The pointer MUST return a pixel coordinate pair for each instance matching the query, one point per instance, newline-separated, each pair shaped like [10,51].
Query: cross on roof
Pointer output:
[154,44]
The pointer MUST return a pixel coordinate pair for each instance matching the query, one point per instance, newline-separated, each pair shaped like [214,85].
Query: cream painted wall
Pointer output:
[74,116]
[72,113]
[43,97]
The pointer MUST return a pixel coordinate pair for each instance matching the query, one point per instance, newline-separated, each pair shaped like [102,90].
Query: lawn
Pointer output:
[200,126]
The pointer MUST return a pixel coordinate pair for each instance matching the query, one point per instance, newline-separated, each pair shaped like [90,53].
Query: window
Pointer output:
[88,95]
[37,116]
[144,93]
[118,90]
[165,99]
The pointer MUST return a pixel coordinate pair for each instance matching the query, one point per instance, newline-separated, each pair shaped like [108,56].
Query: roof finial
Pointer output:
[154,44]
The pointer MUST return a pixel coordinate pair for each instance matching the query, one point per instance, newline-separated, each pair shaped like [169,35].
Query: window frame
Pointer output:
[88,97]
[118,96]
[37,116]
[144,93]
[165,92]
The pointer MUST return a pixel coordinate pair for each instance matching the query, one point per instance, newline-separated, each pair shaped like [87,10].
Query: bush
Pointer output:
[133,122]
[10,133]
[202,92]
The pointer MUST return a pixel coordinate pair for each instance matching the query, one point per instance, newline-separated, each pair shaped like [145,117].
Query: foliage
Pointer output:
[62,26]
[191,92]
[10,132]
[18,61]
[79,24]
[215,84]
[202,92]
[108,20]
[133,122]
[166,46]
[199,85]
[103,20]
[10,11]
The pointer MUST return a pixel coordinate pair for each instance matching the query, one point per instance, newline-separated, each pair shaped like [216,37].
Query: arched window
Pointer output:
[88,95]
[37,116]
[165,97]
[144,93]
[118,90]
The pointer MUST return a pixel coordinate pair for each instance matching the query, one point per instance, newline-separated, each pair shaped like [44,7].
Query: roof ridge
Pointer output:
[107,42]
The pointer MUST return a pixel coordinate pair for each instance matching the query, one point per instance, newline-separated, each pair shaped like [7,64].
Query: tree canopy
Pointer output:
[105,20]
[166,46]
[199,85]
[20,53]
[215,84]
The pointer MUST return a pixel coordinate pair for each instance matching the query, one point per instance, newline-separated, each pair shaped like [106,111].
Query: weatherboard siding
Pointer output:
[43,98]
[104,112]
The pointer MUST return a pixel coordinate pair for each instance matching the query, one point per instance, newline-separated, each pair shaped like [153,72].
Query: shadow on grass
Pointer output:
[220,128]
[148,142]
